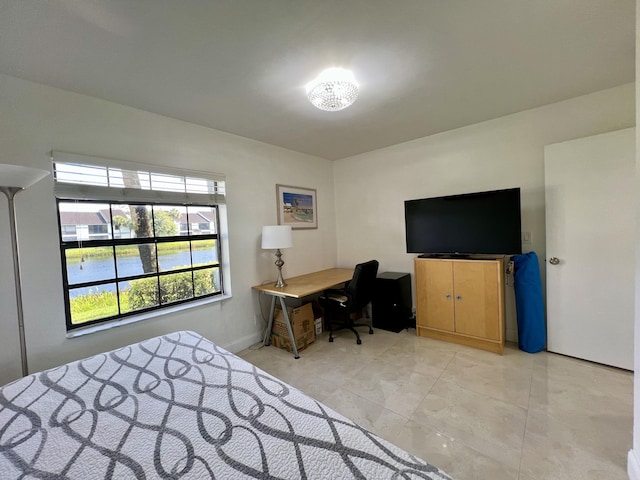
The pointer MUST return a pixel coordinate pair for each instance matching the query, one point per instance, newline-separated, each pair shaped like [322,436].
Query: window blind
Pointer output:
[95,178]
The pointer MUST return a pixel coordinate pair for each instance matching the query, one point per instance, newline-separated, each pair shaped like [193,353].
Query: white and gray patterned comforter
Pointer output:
[179,406]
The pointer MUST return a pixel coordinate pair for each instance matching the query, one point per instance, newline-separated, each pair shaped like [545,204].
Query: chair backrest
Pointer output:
[360,288]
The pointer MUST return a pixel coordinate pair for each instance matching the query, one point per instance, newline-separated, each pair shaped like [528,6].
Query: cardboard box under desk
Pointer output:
[302,324]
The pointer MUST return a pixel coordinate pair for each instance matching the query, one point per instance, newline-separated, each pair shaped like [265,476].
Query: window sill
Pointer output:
[80,332]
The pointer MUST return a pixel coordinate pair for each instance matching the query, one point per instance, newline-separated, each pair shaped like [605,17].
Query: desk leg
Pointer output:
[267,334]
[288,322]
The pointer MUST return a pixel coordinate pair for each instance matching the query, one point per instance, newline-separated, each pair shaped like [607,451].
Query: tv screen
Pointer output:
[472,223]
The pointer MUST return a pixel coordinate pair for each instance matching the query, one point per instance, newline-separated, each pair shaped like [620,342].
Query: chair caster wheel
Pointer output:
[370,332]
[359,342]
[331,339]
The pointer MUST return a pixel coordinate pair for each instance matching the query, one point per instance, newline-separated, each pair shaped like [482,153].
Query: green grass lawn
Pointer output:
[93,306]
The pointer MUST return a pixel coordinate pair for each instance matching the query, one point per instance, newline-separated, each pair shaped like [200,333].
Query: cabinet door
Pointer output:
[478,305]
[434,292]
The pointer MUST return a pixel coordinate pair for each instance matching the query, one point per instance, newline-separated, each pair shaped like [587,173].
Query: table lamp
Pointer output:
[13,179]
[277,236]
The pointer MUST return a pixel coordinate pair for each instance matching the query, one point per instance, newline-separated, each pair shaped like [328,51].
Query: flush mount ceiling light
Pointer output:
[333,90]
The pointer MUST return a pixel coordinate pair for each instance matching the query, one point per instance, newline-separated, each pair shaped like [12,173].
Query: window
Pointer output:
[131,240]
[98,231]
[68,232]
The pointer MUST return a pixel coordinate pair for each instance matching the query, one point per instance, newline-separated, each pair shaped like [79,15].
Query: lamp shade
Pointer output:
[18,176]
[276,236]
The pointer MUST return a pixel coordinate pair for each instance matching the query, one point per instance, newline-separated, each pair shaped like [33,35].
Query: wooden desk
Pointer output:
[298,287]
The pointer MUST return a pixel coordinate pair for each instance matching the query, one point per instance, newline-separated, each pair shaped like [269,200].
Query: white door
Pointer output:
[590,228]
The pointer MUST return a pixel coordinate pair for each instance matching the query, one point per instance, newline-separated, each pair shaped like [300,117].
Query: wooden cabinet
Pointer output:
[461,301]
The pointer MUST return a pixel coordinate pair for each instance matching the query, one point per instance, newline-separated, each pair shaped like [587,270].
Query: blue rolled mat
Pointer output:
[532,332]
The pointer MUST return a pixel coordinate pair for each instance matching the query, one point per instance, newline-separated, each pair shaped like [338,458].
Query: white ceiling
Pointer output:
[240,66]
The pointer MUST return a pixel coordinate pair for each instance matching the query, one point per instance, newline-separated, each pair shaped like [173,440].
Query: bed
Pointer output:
[179,406]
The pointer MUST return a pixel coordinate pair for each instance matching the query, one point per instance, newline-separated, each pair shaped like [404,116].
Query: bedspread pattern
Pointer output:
[179,406]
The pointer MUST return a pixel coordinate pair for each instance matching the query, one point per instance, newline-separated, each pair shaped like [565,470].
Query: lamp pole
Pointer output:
[18,178]
[280,283]
[11,192]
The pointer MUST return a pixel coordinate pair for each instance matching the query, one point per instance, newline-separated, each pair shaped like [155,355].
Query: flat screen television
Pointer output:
[467,224]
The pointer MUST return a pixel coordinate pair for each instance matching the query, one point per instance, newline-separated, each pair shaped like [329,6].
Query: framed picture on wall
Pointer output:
[297,206]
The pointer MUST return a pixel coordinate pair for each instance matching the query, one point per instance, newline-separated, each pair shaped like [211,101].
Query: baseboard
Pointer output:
[244,342]
[633,465]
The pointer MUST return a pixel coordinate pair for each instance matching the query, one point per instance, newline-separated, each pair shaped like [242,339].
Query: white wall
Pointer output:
[369,193]
[506,152]
[36,119]
[633,466]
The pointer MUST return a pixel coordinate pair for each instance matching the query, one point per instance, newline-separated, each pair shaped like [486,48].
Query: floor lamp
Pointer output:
[13,179]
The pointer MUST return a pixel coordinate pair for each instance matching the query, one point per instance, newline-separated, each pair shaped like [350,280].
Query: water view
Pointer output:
[96,269]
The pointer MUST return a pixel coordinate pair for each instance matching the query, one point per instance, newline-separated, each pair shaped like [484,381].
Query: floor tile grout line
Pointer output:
[414,410]
[526,421]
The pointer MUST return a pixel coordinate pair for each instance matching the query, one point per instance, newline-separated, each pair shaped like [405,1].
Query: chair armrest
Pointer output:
[337,297]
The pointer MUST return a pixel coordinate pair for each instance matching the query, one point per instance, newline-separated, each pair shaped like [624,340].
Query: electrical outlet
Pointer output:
[510,267]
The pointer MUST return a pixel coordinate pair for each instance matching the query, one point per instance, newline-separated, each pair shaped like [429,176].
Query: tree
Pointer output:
[165,223]
[175,214]
[120,221]
[141,222]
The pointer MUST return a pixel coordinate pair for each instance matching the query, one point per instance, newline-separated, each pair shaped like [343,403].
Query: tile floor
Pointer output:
[475,414]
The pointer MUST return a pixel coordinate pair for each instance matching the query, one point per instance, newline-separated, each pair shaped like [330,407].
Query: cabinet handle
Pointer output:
[459,297]
[448,296]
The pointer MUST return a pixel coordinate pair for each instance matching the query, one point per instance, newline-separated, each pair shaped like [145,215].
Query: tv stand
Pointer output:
[457,256]
[444,255]
[461,301]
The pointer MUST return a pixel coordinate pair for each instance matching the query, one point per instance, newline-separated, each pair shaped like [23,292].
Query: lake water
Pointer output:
[103,269]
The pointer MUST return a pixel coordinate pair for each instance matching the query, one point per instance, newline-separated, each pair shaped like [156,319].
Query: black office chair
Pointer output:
[357,293]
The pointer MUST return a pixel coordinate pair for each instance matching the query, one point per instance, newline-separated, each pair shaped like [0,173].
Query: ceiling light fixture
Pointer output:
[333,90]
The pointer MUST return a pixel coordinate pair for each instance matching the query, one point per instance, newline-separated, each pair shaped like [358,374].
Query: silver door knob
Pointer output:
[447,296]
[459,297]
[554,261]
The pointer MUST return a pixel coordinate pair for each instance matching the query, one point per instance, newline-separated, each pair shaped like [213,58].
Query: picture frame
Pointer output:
[297,206]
